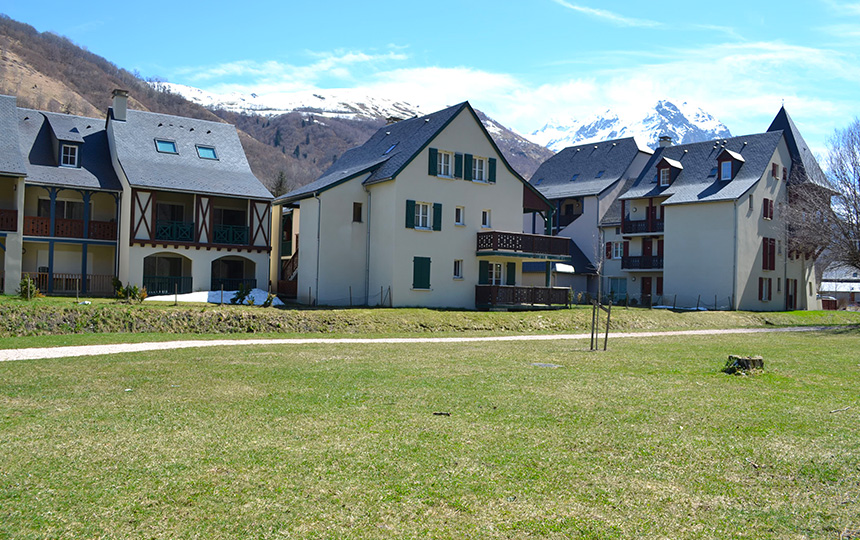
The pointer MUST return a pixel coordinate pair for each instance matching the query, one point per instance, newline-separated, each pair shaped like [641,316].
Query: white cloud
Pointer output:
[614,18]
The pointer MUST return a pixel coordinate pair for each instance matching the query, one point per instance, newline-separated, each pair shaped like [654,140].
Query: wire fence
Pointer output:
[380,298]
[681,302]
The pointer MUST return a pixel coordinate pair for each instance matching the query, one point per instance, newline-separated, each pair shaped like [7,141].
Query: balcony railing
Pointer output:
[643,226]
[160,285]
[232,284]
[231,234]
[8,220]
[524,243]
[641,263]
[61,284]
[69,228]
[502,295]
[176,231]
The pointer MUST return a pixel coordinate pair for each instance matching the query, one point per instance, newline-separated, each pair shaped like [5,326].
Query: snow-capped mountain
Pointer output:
[342,103]
[685,124]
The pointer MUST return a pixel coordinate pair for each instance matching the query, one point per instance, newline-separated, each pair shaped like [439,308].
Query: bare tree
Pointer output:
[843,163]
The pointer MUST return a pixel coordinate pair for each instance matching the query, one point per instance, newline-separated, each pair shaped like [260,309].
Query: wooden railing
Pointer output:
[641,263]
[643,226]
[8,220]
[37,226]
[56,283]
[288,288]
[69,228]
[523,243]
[502,295]
[103,230]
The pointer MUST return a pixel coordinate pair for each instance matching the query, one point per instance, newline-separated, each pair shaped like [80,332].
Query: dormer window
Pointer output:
[667,170]
[165,147]
[69,155]
[665,174]
[206,152]
[730,163]
[725,170]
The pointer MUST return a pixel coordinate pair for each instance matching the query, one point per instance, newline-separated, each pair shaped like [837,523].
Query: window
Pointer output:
[574,177]
[443,164]
[479,169]
[779,247]
[784,173]
[390,148]
[485,219]
[422,215]
[778,284]
[713,172]
[539,181]
[599,174]
[230,216]
[206,152]
[165,146]
[774,170]
[458,268]
[768,254]
[751,205]
[664,177]
[618,288]
[169,212]
[494,276]
[725,170]
[767,209]
[617,250]
[421,273]
[63,209]
[356,212]
[69,156]
[764,289]
[459,215]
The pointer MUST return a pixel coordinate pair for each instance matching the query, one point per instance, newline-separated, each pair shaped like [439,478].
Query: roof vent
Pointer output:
[387,133]
[208,131]
[595,147]
[664,141]
[160,124]
[192,129]
[685,150]
[426,120]
[26,118]
[745,143]
[614,144]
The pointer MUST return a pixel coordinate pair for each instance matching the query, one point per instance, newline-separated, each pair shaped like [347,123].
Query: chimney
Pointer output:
[120,104]
[665,141]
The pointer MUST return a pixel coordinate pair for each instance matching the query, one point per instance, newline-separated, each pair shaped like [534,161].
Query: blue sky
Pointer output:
[523,63]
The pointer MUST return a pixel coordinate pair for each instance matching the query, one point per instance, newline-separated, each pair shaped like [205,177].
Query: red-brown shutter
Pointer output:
[769,289]
[659,285]
[772,253]
[608,250]
[626,249]
[784,173]
[771,209]
[764,245]
[760,287]
[660,247]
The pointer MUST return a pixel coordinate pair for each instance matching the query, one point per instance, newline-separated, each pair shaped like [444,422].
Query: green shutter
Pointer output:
[511,278]
[421,273]
[493,170]
[437,216]
[467,166]
[410,214]
[483,272]
[431,165]
[458,165]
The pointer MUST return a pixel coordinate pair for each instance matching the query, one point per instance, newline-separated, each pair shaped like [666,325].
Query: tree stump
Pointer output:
[743,364]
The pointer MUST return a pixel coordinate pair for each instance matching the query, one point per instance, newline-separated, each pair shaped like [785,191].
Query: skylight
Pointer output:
[165,147]
[206,152]
[390,148]
[713,172]
[539,180]
[574,177]
[599,174]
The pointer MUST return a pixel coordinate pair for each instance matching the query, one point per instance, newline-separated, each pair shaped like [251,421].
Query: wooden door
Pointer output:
[646,291]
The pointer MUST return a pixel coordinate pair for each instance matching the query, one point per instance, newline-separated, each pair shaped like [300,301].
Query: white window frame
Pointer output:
[665,175]
[486,219]
[460,215]
[444,164]
[725,175]
[766,285]
[458,268]
[494,273]
[479,169]
[69,156]
[423,216]
[617,250]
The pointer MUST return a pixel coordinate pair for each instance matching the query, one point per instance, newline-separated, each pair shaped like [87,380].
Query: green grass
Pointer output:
[647,440]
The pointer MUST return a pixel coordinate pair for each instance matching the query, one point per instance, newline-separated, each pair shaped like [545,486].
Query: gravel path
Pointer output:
[118,348]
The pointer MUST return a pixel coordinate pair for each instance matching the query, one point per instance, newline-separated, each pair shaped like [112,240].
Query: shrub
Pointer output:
[269,299]
[27,289]
[129,293]
[241,294]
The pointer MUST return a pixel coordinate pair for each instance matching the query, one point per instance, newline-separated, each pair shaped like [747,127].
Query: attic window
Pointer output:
[599,173]
[665,175]
[390,148]
[165,146]
[206,152]
[69,155]
[574,177]
[725,170]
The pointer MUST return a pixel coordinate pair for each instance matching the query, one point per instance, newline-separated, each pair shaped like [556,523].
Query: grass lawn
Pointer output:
[647,440]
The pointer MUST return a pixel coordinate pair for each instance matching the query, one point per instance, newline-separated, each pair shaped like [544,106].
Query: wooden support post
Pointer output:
[78,290]
[222,293]
[608,316]
[176,294]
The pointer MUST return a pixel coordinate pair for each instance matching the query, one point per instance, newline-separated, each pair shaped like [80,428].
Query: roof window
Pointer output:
[599,174]
[574,177]
[539,180]
[165,147]
[390,148]
[206,152]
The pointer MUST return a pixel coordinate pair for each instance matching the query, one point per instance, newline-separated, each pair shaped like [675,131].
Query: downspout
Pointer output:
[549,233]
[319,220]
[735,299]
[367,253]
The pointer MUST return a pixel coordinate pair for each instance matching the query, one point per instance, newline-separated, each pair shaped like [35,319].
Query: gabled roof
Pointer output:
[587,169]
[65,128]
[804,166]
[96,170]
[699,180]
[228,175]
[389,151]
[11,158]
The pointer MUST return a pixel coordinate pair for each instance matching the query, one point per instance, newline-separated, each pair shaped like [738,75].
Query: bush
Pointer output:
[27,289]
[129,293]
[241,294]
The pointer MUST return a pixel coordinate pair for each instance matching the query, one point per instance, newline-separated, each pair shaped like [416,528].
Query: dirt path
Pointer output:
[118,348]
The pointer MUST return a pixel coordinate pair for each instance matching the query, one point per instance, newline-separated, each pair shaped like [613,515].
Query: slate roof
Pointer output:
[698,181]
[580,263]
[612,217]
[596,166]
[841,272]
[11,158]
[145,167]
[35,145]
[407,137]
[804,166]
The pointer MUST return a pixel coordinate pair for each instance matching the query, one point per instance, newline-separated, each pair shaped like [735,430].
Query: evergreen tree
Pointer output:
[280,186]
[278,137]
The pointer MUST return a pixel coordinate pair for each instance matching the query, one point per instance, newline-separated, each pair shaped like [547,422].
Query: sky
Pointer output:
[523,63]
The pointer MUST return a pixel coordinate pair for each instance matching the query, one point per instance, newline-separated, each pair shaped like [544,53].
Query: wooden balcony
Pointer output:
[8,220]
[70,284]
[535,245]
[513,296]
[69,228]
[643,226]
[642,263]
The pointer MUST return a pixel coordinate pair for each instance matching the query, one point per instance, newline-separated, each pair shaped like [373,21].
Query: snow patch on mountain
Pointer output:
[685,124]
